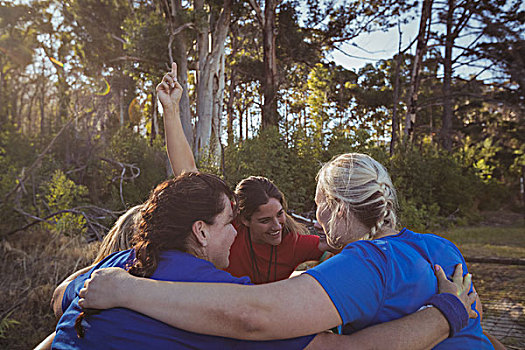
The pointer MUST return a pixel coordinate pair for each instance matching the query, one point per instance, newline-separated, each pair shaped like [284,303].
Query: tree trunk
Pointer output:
[43,128]
[218,95]
[395,117]
[422,39]
[121,106]
[3,104]
[446,128]
[229,107]
[14,110]
[154,118]
[241,121]
[232,88]
[270,116]
[30,118]
[209,68]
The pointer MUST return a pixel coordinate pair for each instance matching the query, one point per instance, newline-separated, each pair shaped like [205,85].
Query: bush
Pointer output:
[426,177]
[128,147]
[61,193]
[418,216]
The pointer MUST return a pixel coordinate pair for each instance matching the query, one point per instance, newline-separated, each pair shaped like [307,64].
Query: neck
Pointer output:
[195,249]
[386,232]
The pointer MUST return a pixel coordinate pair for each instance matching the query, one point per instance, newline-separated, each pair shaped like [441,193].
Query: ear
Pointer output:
[244,221]
[199,230]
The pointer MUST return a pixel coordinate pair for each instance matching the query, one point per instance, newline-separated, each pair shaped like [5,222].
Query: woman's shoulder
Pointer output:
[424,244]
[183,267]
[117,259]
[428,237]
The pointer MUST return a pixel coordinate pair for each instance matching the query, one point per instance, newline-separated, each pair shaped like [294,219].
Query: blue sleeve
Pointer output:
[355,281]
[72,290]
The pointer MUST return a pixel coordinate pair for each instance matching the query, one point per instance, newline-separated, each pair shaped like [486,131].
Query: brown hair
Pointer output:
[255,191]
[166,220]
[169,214]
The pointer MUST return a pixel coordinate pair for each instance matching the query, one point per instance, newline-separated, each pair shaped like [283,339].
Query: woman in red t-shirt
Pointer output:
[270,244]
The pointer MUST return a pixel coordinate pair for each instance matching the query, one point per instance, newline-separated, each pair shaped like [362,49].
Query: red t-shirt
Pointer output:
[293,250]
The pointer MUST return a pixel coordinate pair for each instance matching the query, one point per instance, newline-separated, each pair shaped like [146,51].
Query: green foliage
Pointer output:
[418,216]
[61,193]
[431,182]
[16,151]
[6,323]
[130,148]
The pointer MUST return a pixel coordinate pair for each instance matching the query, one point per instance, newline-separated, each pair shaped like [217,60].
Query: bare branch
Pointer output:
[182,27]
[135,172]
[258,11]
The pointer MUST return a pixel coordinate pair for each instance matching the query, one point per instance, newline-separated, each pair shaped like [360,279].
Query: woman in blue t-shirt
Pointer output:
[381,274]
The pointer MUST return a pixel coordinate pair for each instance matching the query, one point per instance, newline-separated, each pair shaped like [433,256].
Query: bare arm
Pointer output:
[262,312]
[495,342]
[58,294]
[421,330]
[179,151]
[46,343]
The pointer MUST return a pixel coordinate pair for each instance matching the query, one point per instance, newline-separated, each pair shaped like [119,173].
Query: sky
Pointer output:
[371,47]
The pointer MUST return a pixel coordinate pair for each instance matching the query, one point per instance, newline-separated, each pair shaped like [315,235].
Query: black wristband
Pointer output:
[453,310]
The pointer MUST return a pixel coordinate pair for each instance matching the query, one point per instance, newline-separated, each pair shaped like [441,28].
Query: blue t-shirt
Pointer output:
[121,328]
[372,282]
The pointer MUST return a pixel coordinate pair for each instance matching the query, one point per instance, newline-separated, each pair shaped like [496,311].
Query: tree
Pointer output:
[271,80]
[210,84]
[422,39]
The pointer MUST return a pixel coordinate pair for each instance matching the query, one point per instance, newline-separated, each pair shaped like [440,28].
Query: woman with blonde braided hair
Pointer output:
[360,187]
[381,275]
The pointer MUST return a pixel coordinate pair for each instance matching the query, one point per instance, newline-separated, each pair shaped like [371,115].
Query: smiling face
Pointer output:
[220,237]
[266,223]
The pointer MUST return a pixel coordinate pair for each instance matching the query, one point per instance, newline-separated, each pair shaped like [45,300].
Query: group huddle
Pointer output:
[199,266]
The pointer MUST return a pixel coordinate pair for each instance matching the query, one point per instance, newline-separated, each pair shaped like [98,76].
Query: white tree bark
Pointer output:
[209,68]
[218,107]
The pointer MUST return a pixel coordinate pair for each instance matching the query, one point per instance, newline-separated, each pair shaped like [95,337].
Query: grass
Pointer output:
[32,264]
[483,241]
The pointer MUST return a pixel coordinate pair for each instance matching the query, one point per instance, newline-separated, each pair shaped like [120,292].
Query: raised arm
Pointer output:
[180,155]
[262,312]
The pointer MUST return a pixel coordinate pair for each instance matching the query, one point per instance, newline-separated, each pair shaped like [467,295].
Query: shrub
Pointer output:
[61,193]
[429,178]
[128,147]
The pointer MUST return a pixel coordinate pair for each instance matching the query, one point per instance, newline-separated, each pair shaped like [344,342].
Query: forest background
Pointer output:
[81,131]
